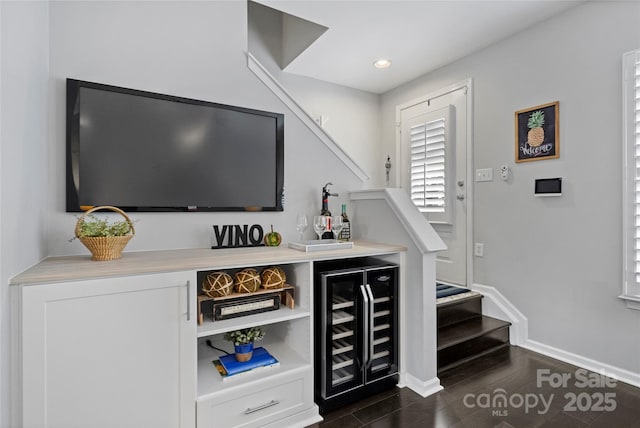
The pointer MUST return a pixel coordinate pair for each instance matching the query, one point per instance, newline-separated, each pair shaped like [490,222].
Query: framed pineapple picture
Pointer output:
[537,133]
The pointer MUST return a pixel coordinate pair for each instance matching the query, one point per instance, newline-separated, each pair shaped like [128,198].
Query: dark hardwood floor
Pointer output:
[509,388]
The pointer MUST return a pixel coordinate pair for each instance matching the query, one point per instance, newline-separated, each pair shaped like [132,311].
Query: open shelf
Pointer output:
[210,328]
[210,381]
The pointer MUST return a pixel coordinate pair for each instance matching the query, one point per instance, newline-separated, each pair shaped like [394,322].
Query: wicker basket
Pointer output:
[105,247]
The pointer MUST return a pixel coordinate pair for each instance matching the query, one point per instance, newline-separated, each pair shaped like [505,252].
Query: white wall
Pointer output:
[351,116]
[352,119]
[24,74]
[557,259]
[190,49]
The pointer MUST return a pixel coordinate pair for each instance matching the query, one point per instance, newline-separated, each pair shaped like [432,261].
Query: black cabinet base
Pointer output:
[350,397]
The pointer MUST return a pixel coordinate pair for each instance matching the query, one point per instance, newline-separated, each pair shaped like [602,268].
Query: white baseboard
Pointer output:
[425,389]
[617,373]
[497,306]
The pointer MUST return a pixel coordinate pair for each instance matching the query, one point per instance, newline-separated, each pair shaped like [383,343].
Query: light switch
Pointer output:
[485,174]
[478,249]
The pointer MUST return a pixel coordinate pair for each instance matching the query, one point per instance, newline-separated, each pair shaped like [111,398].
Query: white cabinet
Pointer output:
[116,344]
[281,395]
[107,352]
[260,402]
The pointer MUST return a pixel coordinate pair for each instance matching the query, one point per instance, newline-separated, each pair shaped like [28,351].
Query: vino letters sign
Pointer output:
[235,235]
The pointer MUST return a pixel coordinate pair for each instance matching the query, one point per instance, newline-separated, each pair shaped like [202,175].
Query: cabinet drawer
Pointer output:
[257,403]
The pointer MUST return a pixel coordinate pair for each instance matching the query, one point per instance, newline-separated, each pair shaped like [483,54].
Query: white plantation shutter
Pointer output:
[428,166]
[631,96]
[430,157]
[636,143]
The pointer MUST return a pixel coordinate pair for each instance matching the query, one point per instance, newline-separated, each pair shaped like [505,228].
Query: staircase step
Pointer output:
[457,362]
[463,307]
[462,341]
[463,331]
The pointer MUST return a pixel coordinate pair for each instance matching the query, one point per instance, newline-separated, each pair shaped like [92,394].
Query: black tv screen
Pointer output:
[142,151]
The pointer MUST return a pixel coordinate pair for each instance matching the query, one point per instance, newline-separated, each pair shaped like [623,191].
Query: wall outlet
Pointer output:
[478,249]
[485,174]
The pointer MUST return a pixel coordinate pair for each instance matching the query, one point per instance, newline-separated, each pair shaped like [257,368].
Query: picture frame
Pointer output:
[538,132]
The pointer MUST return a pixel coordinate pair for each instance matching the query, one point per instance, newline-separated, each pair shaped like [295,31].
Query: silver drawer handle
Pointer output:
[264,406]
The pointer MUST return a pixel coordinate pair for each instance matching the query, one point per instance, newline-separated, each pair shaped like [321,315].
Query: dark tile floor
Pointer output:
[511,388]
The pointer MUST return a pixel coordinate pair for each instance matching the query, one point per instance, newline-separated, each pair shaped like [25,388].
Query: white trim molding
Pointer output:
[279,91]
[416,225]
[465,85]
[425,389]
[497,306]
[633,302]
[630,171]
[617,373]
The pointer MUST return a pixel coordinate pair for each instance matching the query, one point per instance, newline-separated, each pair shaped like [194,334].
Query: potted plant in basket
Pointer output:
[104,239]
[243,341]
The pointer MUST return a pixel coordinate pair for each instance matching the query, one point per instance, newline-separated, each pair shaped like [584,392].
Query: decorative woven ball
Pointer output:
[273,277]
[247,280]
[217,284]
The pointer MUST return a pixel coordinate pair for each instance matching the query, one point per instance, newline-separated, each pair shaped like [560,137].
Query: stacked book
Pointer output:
[229,367]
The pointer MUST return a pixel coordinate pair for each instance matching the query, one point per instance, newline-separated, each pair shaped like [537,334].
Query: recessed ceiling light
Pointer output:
[382,63]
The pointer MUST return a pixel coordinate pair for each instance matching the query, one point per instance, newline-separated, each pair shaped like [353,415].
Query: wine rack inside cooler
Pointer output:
[342,335]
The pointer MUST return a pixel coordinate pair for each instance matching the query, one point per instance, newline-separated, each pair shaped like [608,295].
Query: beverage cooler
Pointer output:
[356,330]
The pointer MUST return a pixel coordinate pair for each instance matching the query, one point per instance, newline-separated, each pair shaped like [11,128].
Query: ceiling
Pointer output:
[418,36]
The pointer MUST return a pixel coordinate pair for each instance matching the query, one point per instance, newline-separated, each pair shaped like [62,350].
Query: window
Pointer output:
[631,195]
[430,156]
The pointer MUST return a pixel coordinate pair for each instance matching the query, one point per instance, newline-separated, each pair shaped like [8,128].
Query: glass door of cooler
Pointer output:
[342,329]
[382,352]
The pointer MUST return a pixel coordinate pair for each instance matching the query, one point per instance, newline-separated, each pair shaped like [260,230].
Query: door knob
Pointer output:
[460,197]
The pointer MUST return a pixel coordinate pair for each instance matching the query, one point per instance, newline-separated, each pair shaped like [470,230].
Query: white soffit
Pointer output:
[418,36]
[297,35]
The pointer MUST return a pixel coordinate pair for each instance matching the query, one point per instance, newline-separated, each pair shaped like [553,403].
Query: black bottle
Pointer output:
[328,234]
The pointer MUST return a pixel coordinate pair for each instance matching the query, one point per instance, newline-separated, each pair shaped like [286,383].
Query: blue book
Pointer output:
[261,358]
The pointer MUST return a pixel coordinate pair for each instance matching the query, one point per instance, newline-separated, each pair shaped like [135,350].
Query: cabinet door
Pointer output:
[116,352]
[342,322]
[383,329]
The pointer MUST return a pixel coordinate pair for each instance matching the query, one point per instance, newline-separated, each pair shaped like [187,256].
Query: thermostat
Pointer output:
[548,187]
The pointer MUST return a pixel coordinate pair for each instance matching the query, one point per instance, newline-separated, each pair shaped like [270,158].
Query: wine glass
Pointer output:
[336,226]
[319,225]
[301,225]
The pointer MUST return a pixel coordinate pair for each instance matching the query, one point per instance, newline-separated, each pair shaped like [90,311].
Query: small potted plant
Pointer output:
[243,341]
[104,239]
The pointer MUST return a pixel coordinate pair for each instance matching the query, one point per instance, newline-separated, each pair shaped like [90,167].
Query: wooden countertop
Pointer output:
[80,267]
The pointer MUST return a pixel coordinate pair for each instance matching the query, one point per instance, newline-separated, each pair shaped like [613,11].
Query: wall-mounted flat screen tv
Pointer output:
[143,151]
